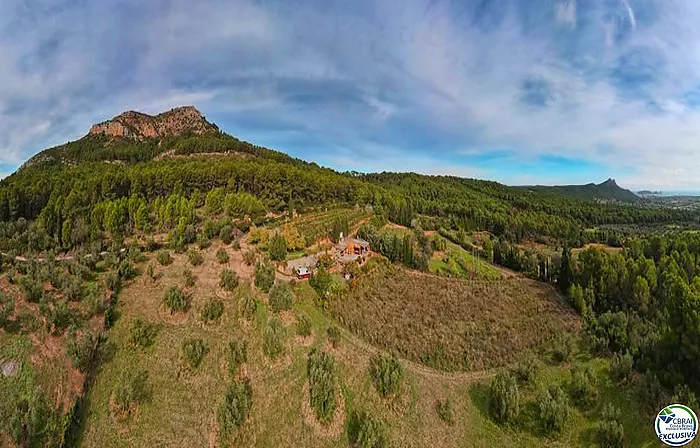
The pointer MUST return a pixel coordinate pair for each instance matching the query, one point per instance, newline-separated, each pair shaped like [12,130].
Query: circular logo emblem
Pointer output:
[676,425]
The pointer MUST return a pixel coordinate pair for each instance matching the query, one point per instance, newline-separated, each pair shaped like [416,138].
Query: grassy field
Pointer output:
[459,263]
[449,323]
[182,408]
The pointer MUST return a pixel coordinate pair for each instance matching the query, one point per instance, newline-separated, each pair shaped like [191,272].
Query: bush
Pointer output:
[365,431]
[222,256]
[504,398]
[7,309]
[132,390]
[249,257]
[176,300]
[233,410]
[80,349]
[189,277]
[226,234]
[683,394]
[264,276]
[236,245]
[151,245]
[194,351]
[237,356]
[583,387]
[562,347]
[228,280]
[151,272]
[321,371]
[143,334]
[213,309]
[621,367]
[248,306]
[278,247]
[202,241]
[651,393]
[33,288]
[164,258]
[73,289]
[126,270]
[444,411]
[333,336]
[610,433]
[113,281]
[273,339]
[387,374]
[303,325]
[281,297]
[526,371]
[554,408]
[195,257]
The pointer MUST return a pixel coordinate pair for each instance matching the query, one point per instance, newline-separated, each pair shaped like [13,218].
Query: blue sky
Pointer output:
[519,91]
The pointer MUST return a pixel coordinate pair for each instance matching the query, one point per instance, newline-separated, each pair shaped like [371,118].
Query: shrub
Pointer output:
[127,270]
[303,325]
[143,334]
[151,245]
[264,276]
[281,297]
[683,394]
[164,258]
[249,257]
[73,289]
[132,390]
[202,241]
[151,272]
[222,256]
[278,247]
[236,245]
[176,300]
[189,277]
[213,309]
[33,288]
[194,351]
[365,431]
[504,398]
[610,433]
[333,336]
[387,374]
[113,281]
[621,366]
[59,315]
[248,306]
[226,234]
[228,280]
[583,388]
[80,348]
[195,257]
[562,347]
[237,356]
[651,393]
[321,371]
[7,309]
[444,411]
[273,339]
[526,371]
[233,410]
[554,408]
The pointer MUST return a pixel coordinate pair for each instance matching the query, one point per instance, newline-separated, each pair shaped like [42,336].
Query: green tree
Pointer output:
[278,247]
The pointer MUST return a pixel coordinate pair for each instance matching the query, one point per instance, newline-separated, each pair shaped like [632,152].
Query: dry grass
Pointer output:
[453,324]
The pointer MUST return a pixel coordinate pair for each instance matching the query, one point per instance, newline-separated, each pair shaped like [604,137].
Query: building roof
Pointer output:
[303,270]
[353,242]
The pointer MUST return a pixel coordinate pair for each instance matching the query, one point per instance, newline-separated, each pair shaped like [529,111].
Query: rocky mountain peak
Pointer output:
[139,126]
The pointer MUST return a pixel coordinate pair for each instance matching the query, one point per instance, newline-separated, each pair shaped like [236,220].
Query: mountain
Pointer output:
[604,192]
[139,126]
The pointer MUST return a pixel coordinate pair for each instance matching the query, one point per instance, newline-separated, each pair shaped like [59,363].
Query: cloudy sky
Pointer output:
[519,91]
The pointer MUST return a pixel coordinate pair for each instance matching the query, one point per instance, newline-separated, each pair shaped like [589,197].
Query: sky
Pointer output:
[518,91]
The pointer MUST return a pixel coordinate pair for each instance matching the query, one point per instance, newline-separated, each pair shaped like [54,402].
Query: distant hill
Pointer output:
[605,192]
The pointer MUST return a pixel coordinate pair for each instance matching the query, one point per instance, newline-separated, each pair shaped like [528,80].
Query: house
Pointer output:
[303,272]
[352,249]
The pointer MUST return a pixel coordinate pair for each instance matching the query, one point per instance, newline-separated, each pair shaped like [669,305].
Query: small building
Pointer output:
[353,246]
[303,272]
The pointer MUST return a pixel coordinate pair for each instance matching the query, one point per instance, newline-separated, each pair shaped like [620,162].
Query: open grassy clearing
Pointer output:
[452,324]
[459,263]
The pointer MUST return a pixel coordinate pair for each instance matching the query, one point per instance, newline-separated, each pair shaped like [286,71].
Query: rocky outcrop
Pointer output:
[139,126]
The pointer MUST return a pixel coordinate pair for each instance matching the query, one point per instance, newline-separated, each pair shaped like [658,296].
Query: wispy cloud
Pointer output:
[613,87]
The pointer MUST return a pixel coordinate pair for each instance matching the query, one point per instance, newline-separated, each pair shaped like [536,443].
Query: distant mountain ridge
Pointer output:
[607,191]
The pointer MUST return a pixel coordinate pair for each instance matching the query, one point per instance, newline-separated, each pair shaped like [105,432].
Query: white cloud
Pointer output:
[565,13]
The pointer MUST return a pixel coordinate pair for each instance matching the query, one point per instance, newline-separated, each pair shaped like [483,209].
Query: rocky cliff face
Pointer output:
[138,126]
